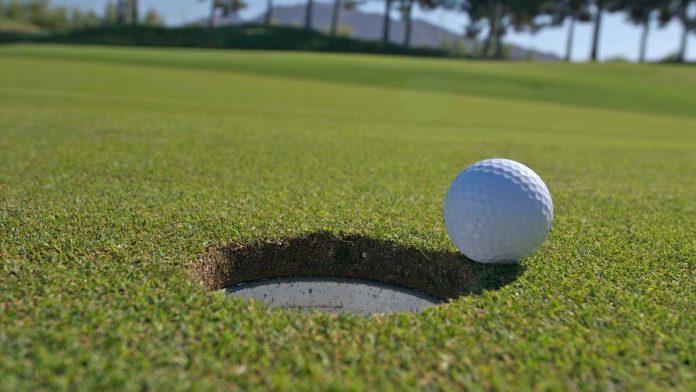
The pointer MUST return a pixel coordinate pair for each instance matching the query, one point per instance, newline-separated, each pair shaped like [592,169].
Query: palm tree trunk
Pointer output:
[120,12]
[644,40]
[487,44]
[213,9]
[408,22]
[681,57]
[269,13]
[308,14]
[498,32]
[334,17]
[492,32]
[499,45]
[595,33]
[134,12]
[571,36]
[385,25]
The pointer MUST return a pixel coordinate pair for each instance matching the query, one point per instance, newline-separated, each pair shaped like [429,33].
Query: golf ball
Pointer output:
[498,211]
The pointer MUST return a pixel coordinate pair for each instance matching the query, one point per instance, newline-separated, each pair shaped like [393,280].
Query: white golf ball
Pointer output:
[498,211]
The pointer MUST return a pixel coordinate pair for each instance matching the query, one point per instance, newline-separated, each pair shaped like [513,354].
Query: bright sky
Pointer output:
[618,38]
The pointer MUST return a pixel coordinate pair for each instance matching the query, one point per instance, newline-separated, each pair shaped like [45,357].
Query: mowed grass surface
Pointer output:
[119,166]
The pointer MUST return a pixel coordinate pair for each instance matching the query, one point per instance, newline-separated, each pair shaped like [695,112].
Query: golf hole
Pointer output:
[339,295]
[345,273]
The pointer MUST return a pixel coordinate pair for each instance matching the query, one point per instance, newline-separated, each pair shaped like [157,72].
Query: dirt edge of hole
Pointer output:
[445,275]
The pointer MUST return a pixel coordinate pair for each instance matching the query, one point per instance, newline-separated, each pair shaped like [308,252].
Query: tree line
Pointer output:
[488,20]
[496,18]
[41,13]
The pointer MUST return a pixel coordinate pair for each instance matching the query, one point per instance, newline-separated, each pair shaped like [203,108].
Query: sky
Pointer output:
[619,39]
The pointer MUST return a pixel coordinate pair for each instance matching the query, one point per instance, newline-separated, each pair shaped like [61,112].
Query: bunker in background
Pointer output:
[338,295]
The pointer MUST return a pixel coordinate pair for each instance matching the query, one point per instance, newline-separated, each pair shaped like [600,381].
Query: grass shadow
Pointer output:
[445,275]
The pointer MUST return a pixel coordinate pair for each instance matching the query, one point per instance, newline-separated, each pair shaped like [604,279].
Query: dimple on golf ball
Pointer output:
[498,211]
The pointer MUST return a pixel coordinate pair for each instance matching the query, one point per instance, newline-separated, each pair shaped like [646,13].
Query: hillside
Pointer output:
[368,26]
[12,27]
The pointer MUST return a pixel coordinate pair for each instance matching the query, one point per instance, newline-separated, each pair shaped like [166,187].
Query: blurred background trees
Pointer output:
[679,10]
[488,21]
[224,8]
[43,14]
[641,12]
[572,11]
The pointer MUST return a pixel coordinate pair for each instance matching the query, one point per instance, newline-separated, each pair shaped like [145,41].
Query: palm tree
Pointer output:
[572,10]
[500,16]
[497,29]
[644,39]
[640,12]
[406,11]
[595,30]
[385,24]
[269,13]
[226,7]
[337,4]
[213,9]
[480,11]
[570,38]
[679,9]
[121,12]
[134,12]
[308,14]
[600,7]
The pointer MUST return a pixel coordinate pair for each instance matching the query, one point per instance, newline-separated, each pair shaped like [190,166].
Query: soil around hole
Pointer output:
[445,275]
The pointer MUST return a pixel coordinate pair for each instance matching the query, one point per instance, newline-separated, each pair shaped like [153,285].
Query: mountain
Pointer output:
[368,26]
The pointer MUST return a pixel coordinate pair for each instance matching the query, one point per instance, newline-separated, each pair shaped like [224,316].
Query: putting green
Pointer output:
[119,167]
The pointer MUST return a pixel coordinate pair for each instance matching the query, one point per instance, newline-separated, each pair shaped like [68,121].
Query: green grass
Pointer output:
[119,166]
